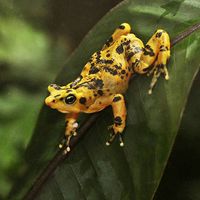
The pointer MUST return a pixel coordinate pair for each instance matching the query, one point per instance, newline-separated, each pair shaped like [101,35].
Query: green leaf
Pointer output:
[181,178]
[94,171]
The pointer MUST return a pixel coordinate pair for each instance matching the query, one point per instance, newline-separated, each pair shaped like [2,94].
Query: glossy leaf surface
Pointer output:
[94,171]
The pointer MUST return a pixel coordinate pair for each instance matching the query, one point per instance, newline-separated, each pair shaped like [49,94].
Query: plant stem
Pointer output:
[184,34]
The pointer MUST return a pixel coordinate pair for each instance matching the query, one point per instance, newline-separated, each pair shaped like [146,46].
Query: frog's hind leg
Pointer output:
[119,111]
[155,56]
[123,29]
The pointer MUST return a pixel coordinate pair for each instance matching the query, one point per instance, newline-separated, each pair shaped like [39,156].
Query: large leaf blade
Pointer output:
[122,173]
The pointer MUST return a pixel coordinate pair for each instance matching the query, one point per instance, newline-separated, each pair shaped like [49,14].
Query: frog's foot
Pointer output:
[67,149]
[157,71]
[65,143]
[156,74]
[113,136]
[70,131]
[121,143]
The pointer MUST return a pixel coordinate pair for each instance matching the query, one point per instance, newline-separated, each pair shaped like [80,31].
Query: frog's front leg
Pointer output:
[119,112]
[70,130]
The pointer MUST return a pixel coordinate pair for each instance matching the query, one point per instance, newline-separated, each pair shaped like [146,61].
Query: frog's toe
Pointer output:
[112,138]
[110,128]
[75,125]
[66,150]
[62,143]
[112,135]
[74,133]
[121,142]
[60,146]
[107,143]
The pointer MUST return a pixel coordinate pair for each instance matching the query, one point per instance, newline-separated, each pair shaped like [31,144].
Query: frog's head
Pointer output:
[65,99]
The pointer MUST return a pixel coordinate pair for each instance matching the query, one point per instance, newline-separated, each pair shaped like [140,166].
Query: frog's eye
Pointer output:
[70,99]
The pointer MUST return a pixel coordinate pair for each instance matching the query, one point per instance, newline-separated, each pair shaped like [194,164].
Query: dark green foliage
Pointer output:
[94,171]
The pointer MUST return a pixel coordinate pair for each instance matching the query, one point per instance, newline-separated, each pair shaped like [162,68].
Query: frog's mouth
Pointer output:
[62,111]
[49,102]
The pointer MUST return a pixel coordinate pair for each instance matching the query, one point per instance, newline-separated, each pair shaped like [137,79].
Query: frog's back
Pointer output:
[111,66]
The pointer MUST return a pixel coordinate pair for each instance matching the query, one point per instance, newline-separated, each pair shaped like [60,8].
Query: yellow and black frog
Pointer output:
[105,77]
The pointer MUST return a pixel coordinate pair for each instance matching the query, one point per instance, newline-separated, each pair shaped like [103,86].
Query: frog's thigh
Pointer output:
[156,50]
[119,112]
[123,29]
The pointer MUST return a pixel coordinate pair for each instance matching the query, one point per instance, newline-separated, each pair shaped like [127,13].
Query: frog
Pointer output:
[105,78]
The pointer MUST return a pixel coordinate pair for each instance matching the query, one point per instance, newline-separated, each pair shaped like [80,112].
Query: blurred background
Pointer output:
[36,37]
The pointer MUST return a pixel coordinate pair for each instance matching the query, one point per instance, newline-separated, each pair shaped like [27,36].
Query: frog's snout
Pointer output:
[49,101]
